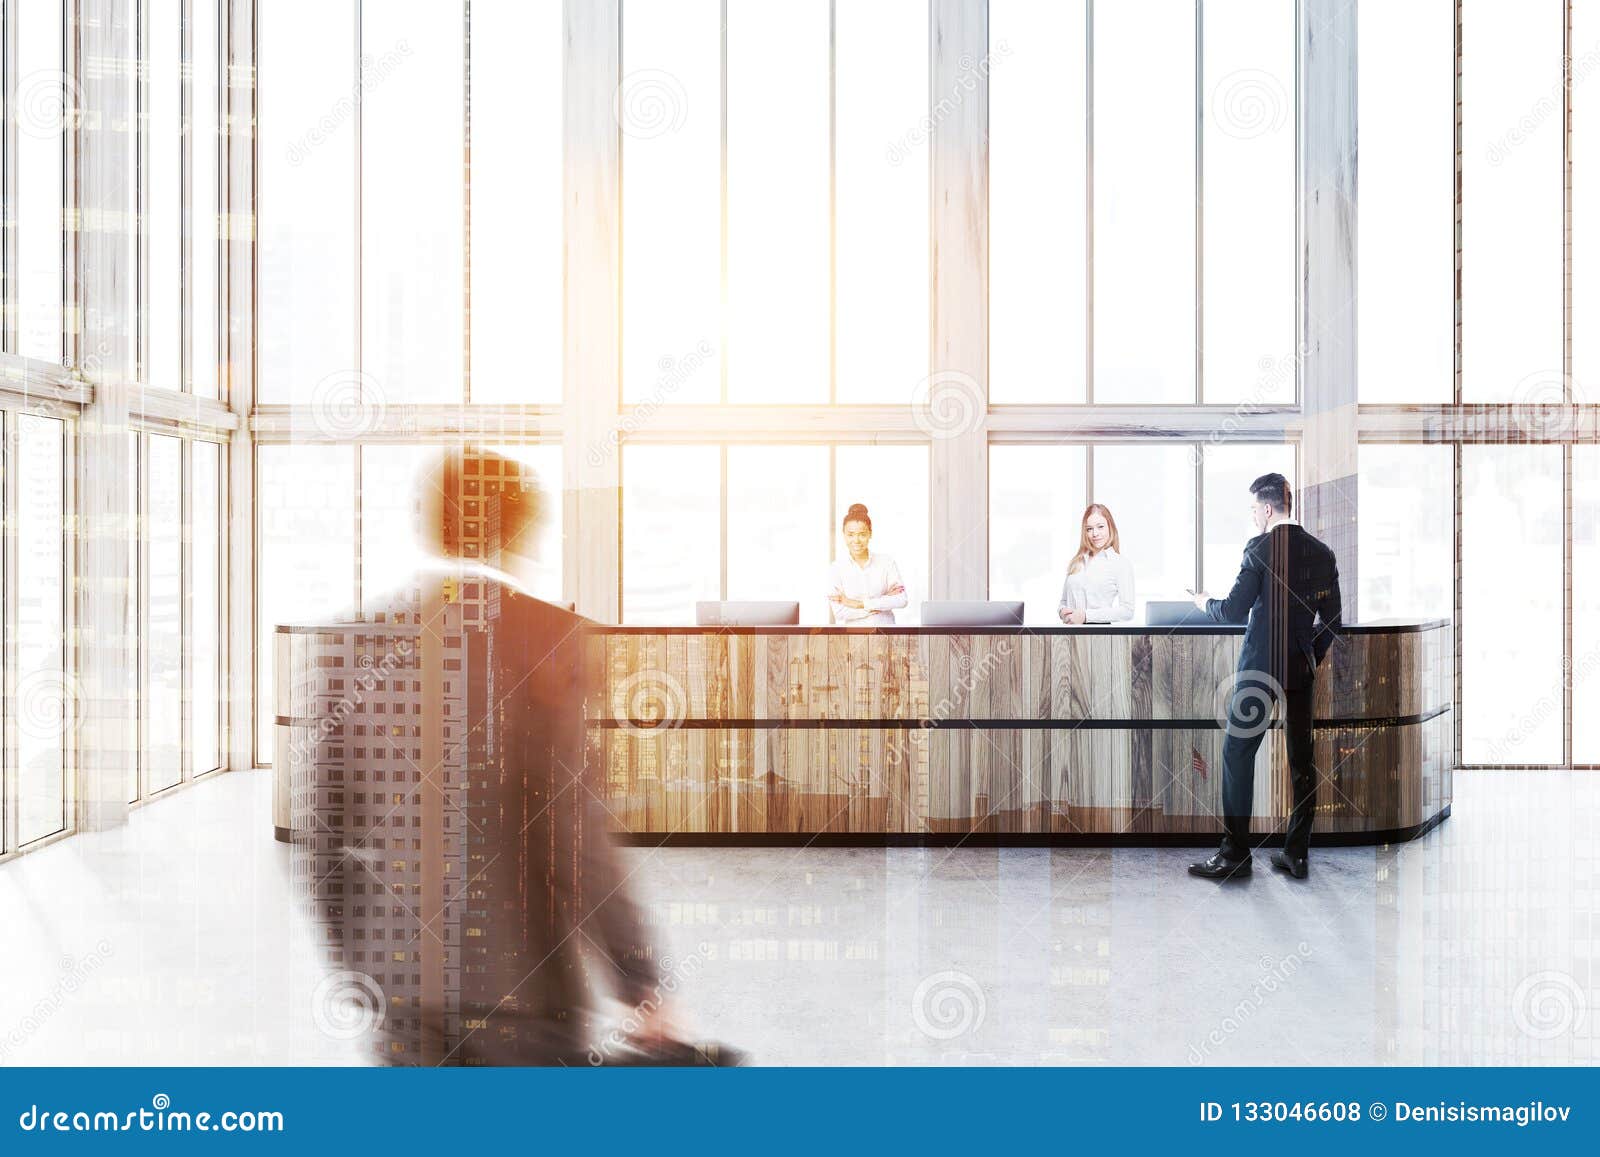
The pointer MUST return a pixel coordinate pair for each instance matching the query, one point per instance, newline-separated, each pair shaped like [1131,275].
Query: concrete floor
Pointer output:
[174,941]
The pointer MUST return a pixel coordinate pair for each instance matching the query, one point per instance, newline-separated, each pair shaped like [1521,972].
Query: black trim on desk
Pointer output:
[1086,629]
[609,723]
[1012,839]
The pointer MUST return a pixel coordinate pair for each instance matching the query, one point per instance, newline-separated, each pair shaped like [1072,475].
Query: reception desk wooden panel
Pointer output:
[1093,733]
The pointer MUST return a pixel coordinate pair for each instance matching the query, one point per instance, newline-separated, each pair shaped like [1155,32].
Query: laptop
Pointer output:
[971,613]
[751,613]
[1175,613]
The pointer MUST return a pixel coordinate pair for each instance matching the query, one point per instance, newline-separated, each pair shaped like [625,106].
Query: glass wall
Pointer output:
[1406,516]
[34,299]
[704,523]
[163,621]
[45,696]
[1150,493]
[672,544]
[788,239]
[778,515]
[177,604]
[178,94]
[1511,200]
[1038,202]
[1585,658]
[306,551]
[1511,604]
[421,303]
[1227,471]
[206,651]
[1248,193]
[1584,94]
[1144,221]
[1406,235]
[1036,502]
[773,247]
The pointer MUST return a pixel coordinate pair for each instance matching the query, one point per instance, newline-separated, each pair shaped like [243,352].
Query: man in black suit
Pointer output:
[1288,593]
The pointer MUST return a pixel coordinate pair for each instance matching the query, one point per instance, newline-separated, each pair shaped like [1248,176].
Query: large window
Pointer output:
[176,601]
[306,498]
[41,100]
[515,199]
[702,523]
[1584,94]
[1585,658]
[1167,105]
[1406,235]
[1248,193]
[413,202]
[44,701]
[398,265]
[1511,200]
[1405,499]
[178,96]
[306,154]
[163,622]
[1144,221]
[1038,201]
[1511,604]
[1036,501]
[775,200]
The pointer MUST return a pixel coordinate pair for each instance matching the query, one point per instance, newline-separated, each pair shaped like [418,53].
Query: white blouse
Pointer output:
[1103,589]
[877,584]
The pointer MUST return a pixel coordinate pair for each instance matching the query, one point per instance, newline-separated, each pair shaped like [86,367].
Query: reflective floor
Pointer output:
[174,942]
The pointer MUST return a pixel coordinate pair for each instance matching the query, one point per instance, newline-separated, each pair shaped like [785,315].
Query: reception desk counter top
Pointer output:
[1099,733]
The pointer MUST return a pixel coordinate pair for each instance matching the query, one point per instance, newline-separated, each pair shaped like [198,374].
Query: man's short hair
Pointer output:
[473,503]
[1273,489]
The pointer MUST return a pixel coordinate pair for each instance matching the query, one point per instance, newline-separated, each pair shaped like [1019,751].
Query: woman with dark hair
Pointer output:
[863,588]
[1099,586]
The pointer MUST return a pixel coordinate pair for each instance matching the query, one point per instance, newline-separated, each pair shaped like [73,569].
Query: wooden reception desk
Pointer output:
[1097,734]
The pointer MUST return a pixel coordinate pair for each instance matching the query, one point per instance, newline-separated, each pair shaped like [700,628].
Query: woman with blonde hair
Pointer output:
[1099,586]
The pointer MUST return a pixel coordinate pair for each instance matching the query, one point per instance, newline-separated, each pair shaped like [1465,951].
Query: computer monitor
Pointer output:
[747,614]
[971,613]
[1175,613]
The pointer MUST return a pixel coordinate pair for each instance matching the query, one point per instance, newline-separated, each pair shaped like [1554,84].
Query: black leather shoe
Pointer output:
[1295,865]
[1219,867]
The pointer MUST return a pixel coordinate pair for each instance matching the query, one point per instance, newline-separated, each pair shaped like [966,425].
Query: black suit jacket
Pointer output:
[1288,594]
